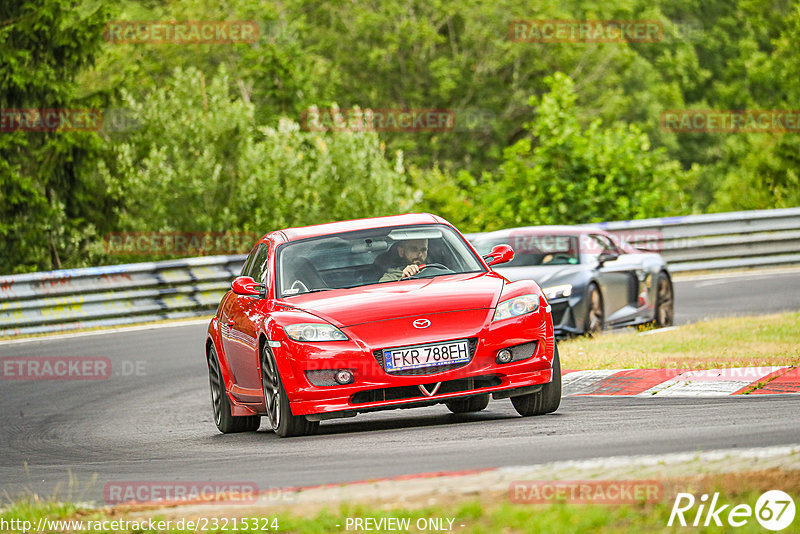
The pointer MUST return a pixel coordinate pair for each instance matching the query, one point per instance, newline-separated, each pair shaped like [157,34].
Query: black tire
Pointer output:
[665,301]
[595,314]
[279,412]
[468,405]
[220,404]
[547,399]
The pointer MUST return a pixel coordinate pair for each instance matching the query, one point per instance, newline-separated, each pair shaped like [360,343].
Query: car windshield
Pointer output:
[533,249]
[372,256]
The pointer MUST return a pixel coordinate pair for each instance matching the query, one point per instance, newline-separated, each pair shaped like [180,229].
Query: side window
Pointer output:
[606,245]
[258,267]
[248,263]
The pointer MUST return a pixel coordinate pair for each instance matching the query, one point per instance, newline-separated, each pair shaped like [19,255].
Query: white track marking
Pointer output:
[710,383]
[154,326]
[760,273]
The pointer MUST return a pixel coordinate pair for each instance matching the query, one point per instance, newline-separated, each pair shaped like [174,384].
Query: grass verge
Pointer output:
[761,340]
[470,516]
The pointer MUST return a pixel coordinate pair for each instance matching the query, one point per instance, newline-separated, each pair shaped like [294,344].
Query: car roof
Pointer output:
[303,232]
[542,230]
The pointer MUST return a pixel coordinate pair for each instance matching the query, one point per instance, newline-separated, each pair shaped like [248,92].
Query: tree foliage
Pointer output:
[567,174]
[545,132]
[48,206]
[200,161]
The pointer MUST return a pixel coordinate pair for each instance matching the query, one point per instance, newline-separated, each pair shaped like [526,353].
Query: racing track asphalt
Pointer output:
[721,295]
[156,425]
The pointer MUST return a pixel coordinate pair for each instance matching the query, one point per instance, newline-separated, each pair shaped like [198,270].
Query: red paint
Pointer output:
[633,382]
[781,381]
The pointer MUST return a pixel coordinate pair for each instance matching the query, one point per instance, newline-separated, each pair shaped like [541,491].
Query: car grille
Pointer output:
[414,392]
[433,369]
[523,352]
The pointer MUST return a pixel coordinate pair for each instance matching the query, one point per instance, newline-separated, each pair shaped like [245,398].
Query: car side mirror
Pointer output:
[606,256]
[499,254]
[245,285]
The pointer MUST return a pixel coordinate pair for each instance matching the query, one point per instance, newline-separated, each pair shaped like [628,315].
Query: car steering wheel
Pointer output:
[560,257]
[434,265]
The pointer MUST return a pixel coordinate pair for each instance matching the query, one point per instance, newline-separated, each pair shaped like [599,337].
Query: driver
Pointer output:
[410,255]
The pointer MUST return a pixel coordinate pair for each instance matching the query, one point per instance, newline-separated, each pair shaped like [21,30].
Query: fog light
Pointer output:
[504,356]
[343,377]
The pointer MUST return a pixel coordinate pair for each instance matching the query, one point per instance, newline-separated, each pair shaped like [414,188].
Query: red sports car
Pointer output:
[393,312]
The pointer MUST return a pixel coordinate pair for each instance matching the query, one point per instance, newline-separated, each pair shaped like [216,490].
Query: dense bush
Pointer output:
[213,137]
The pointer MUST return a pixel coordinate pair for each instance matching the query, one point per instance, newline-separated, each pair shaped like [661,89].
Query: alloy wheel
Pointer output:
[271,386]
[665,308]
[215,381]
[596,313]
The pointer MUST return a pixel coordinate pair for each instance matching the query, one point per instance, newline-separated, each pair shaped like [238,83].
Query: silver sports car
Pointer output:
[592,278]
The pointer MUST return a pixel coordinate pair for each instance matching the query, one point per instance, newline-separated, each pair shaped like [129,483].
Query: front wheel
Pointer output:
[226,423]
[595,315]
[279,413]
[547,399]
[665,304]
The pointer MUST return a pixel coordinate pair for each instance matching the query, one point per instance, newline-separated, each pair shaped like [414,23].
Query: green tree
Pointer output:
[200,161]
[48,207]
[565,174]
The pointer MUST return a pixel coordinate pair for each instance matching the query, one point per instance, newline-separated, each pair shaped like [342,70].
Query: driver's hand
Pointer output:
[410,270]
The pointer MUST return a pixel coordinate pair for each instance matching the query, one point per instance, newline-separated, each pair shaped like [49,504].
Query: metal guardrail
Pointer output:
[720,240]
[119,294]
[139,292]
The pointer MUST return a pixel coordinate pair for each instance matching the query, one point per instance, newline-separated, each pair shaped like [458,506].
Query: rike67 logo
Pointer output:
[774,510]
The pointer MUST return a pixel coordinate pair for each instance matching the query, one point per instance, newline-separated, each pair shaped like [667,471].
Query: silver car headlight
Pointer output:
[314,332]
[558,292]
[516,307]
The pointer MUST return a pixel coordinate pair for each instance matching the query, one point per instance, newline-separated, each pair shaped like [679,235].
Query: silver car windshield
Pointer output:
[374,256]
[534,249]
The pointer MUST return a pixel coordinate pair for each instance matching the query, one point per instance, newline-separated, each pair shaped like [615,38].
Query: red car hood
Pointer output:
[378,302]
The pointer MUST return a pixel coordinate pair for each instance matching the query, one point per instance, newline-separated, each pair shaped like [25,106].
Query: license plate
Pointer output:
[427,355]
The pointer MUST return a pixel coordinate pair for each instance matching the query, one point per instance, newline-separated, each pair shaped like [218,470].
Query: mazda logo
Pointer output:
[421,323]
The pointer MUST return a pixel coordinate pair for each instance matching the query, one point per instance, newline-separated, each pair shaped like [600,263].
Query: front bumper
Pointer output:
[508,386]
[565,322]
[375,389]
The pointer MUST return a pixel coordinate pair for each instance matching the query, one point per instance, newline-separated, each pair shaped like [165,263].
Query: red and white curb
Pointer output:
[682,382]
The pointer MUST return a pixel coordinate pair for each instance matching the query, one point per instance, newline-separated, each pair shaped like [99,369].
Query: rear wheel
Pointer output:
[595,316]
[547,399]
[665,304]
[226,423]
[468,405]
[279,412]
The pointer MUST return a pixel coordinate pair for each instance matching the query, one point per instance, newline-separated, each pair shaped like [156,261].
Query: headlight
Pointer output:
[557,292]
[516,306]
[314,332]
